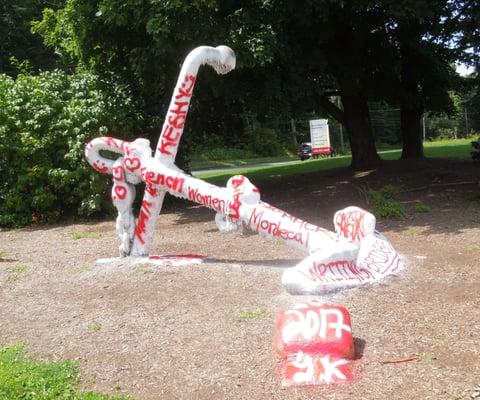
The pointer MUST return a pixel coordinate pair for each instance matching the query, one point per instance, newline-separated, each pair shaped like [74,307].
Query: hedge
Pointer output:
[45,122]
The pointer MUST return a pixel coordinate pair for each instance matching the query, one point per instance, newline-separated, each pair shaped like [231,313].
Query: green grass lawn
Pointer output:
[27,379]
[459,148]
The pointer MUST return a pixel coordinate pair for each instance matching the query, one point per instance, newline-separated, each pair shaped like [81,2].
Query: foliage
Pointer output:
[292,56]
[462,122]
[85,235]
[476,149]
[261,142]
[412,231]
[45,122]
[16,272]
[258,313]
[266,142]
[476,218]
[421,33]
[23,378]
[422,208]
[144,42]
[95,326]
[18,45]
[384,204]
[222,153]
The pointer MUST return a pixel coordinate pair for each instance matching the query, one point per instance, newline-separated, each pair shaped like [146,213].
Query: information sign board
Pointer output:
[320,136]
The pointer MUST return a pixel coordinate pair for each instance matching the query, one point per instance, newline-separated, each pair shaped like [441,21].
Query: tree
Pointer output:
[144,43]
[320,51]
[292,57]
[470,40]
[45,122]
[424,34]
[17,43]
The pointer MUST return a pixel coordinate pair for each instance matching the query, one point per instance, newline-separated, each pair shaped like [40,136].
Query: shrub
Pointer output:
[265,142]
[422,208]
[476,149]
[45,122]
[383,203]
[223,153]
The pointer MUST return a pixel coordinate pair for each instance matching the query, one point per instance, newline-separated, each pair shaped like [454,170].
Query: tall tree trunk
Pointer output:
[359,130]
[410,121]
[411,105]
[356,119]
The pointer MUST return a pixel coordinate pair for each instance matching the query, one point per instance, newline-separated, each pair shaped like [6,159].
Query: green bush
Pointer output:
[45,122]
[422,208]
[383,203]
[260,142]
[476,149]
[265,142]
[223,153]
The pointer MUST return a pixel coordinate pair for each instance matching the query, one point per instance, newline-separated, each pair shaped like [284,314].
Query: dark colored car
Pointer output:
[304,151]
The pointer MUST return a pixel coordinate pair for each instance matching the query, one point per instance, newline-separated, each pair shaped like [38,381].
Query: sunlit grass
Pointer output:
[24,378]
[257,313]
[95,326]
[16,272]
[458,148]
[85,235]
[421,208]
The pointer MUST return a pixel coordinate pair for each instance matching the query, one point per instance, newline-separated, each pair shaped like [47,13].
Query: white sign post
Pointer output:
[320,137]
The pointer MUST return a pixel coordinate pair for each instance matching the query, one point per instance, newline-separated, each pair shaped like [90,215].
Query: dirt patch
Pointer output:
[206,331]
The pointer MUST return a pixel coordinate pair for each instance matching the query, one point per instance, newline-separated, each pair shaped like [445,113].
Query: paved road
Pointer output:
[202,172]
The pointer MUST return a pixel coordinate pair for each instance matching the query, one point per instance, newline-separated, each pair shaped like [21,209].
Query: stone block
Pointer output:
[316,329]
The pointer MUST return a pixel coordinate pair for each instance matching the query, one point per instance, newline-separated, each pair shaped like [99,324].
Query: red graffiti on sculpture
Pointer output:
[143,218]
[176,117]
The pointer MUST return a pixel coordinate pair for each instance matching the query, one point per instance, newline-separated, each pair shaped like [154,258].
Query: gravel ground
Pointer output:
[190,332]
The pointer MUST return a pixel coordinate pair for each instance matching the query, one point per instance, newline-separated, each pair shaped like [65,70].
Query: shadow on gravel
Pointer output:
[359,347]
[283,263]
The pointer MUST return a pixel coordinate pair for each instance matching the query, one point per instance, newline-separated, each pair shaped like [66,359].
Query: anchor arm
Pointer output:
[222,59]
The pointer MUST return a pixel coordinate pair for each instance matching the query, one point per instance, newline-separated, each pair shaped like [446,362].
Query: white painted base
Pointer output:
[179,260]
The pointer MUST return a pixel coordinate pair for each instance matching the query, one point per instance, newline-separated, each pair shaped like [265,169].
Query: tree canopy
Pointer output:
[292,57]
[18,44]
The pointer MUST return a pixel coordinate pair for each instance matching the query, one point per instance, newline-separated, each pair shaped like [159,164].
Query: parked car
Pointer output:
[304,151]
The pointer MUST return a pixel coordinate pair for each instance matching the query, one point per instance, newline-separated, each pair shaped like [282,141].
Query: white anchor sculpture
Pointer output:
[352,255]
